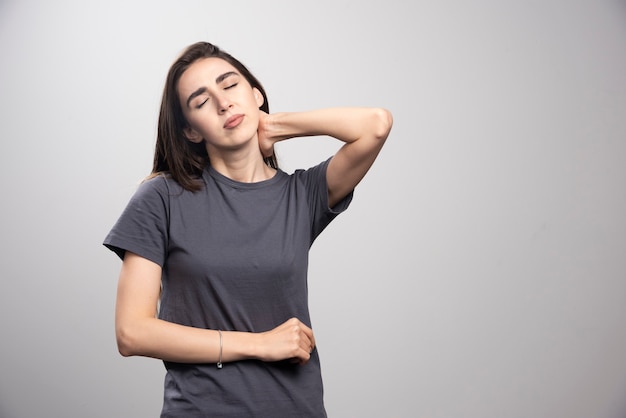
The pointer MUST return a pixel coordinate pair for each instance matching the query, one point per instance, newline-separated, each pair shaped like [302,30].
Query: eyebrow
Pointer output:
[201,90]
[224,76]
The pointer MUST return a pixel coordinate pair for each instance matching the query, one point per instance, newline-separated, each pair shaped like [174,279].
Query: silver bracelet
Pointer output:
[219,362]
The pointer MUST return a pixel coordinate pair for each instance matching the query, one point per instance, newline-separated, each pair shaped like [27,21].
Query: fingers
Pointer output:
[299,341]
[303,335]
[291,340]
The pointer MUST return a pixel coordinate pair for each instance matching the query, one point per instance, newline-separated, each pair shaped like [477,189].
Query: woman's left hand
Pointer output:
[266,142]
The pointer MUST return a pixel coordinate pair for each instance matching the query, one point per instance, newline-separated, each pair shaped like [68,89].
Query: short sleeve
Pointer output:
[143,226]
[314,180]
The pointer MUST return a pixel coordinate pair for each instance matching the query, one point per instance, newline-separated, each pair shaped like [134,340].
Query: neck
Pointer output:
[243,165]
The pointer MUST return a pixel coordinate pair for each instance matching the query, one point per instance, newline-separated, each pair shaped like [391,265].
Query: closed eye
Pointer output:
[231,86]
[202,103]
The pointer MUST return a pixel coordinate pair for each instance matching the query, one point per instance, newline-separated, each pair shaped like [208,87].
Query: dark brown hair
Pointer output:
[174,153]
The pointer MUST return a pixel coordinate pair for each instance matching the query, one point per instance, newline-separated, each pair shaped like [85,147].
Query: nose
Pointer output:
[224,104]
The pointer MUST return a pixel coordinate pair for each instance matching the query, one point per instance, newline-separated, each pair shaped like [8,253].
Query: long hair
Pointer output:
[174,154]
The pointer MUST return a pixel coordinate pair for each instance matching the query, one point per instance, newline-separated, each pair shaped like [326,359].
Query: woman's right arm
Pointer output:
[140,333]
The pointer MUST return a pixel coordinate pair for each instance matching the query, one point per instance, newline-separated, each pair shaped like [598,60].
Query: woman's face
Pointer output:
[219,105]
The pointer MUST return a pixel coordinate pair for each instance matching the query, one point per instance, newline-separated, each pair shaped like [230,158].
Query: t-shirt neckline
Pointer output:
[243,185]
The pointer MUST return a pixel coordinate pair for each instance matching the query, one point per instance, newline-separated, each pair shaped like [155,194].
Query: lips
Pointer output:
[233,121]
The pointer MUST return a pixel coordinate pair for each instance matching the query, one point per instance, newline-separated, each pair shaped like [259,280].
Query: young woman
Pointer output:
[215,243]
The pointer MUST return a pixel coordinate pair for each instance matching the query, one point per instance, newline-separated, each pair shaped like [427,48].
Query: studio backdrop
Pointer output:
[481,269]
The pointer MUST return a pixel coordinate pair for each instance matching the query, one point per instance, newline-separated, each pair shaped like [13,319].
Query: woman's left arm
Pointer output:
[364,131]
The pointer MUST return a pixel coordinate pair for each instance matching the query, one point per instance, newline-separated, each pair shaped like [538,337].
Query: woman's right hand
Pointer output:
[292,340]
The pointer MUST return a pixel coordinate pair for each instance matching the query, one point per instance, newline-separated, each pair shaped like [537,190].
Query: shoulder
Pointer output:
[156,190]
[314,173]
[161,184]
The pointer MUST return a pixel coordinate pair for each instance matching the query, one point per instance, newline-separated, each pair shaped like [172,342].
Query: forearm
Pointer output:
[140,333]
[346,124]
[152,337]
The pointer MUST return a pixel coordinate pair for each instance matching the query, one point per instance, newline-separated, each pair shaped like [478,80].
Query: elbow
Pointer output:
[126,342]
[383,121]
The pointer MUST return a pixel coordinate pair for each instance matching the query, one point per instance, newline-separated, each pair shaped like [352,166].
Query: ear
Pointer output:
[258,96]
[192,135]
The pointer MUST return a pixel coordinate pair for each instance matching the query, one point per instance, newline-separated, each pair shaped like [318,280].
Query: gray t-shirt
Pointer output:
[234,257]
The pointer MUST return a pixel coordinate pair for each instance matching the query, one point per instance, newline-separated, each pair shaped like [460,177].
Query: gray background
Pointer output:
[481,271]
